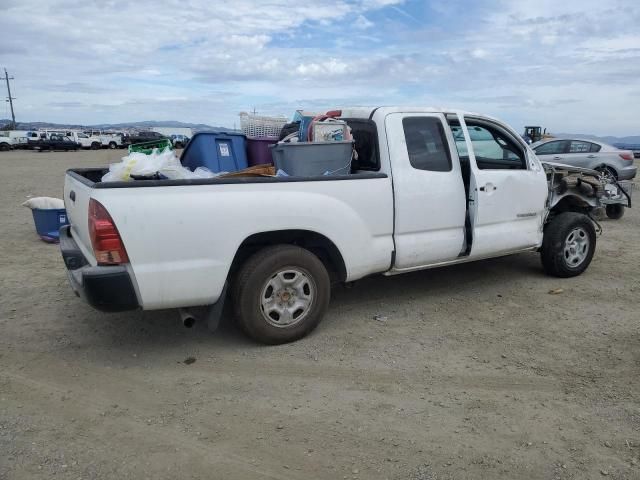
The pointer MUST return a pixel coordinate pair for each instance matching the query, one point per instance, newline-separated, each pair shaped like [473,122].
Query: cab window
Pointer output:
[495,150]
[426,144]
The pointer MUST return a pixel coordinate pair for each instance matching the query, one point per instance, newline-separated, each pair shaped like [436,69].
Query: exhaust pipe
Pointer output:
[188,320]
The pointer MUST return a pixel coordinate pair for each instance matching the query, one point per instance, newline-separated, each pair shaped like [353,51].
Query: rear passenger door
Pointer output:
[430,203]
[581,154]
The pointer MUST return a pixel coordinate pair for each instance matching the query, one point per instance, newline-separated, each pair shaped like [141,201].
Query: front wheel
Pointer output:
[281,293]
[615,211]
[568,245]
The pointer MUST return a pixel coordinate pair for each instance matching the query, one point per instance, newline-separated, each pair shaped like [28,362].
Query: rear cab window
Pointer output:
[365,143]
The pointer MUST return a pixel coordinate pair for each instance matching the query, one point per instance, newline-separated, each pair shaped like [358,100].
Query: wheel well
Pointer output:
[603,166]
[571,203]
[316,243]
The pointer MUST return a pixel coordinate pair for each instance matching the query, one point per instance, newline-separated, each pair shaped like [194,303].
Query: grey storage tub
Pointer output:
[309,159]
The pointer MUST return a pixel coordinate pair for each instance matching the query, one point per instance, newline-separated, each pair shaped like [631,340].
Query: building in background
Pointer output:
[168,131]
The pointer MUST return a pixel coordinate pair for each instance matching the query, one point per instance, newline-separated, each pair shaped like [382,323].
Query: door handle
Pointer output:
[72,195]
[591,156]
[489,187]
[557,158]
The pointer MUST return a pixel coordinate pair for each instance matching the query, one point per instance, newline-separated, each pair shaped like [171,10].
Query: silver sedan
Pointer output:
[587,154]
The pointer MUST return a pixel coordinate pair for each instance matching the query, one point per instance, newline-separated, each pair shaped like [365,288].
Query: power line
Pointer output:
[10,99]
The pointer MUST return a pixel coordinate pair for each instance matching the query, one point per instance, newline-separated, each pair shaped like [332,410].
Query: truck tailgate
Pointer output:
[76,200]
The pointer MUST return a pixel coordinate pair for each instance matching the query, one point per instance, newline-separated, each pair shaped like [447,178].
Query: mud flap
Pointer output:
[214,312]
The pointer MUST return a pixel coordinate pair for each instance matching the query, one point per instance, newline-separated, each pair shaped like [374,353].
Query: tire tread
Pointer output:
[246,274]
[555,232]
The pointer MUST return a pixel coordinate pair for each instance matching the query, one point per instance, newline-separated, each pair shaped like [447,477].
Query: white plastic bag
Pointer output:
[140,164]
[44,203]
[178,172]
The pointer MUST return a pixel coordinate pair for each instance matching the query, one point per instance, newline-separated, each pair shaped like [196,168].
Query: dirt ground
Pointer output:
[470,372]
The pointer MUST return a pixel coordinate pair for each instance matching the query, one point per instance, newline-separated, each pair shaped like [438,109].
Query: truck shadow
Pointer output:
[164,329]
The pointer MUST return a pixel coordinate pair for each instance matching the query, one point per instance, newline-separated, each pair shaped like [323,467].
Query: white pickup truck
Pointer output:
[422,193]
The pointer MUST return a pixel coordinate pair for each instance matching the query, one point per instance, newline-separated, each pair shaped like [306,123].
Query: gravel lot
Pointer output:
[474,371]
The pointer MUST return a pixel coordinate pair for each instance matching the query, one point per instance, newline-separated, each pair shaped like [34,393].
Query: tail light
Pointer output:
[626,156]
[105,239]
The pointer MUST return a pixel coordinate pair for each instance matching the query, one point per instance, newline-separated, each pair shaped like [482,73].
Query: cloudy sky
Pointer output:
[570,65]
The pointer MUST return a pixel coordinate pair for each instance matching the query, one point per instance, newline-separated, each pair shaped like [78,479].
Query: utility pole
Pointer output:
[10,99]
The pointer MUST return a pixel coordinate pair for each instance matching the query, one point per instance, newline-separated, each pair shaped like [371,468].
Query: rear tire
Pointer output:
[608,171]
[95,146]
[615,212]
[280,294]
[568,245]
[113,145]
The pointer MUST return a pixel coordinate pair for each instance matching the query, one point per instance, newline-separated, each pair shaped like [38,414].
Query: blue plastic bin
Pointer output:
[218,151]
[48,222]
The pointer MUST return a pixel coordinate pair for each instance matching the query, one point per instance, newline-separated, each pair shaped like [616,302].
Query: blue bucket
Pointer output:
[48,222]
[218,151]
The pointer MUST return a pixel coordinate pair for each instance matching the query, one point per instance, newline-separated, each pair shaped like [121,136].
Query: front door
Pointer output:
[508,190]
[430,204]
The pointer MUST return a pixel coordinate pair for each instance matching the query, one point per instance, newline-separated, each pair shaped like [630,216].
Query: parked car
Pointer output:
[54,142]
[588,154]
[12,139]
[109,139]
[179,141]
[415,199]
[113,140]
[148,136]
[87,141]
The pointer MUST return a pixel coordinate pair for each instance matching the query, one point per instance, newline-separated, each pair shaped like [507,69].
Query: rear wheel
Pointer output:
[608,171]
[615,212]
[113,145]
[95,146]
[280,294]
[568,245]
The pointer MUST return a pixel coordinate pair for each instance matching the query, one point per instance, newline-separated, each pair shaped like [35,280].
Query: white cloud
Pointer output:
[246,41]
[331,67]
[479,53]
[362,23]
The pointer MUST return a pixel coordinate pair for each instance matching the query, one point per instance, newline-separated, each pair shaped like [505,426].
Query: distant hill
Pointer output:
[142,125]
[633,139]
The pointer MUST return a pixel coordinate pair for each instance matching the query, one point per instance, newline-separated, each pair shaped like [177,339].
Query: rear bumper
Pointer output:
[627,173]
[106,288]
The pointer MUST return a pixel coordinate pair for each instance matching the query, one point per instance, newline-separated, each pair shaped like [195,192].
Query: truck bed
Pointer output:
[181,241]
[91,177]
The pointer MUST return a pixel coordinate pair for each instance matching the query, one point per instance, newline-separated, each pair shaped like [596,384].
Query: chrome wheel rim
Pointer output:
[287,297]
[576,247]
